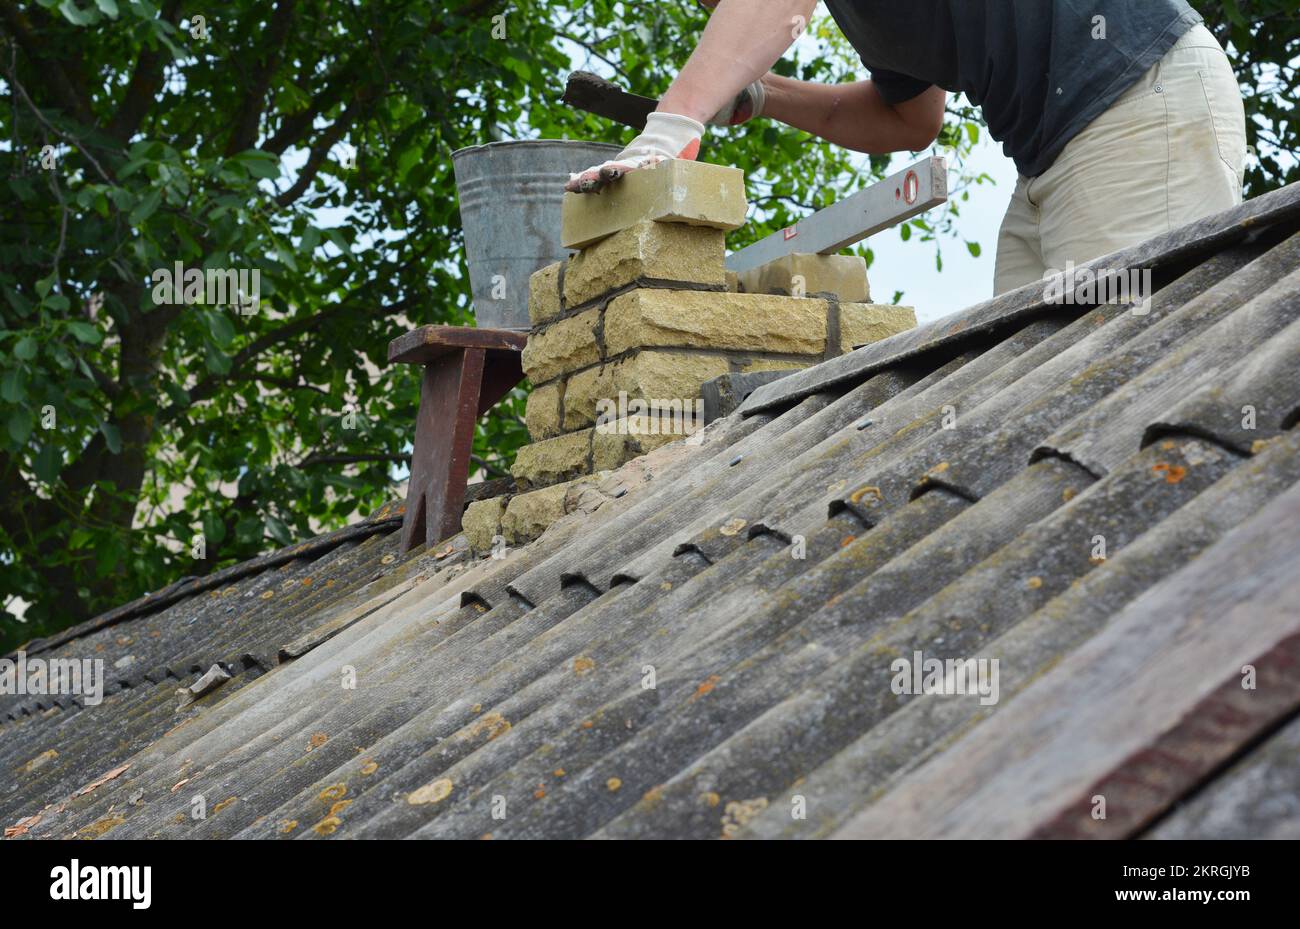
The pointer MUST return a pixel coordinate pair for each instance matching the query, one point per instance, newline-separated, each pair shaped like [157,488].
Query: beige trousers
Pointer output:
[1169,151]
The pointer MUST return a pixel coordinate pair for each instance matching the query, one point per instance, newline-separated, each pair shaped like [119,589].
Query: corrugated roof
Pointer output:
[1103,501]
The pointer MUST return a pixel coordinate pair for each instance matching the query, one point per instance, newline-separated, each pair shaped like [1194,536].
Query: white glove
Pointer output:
[666,136]
[747,104]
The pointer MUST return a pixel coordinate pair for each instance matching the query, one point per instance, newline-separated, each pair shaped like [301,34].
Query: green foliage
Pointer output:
[224,151]
[134,135]
[1262,38]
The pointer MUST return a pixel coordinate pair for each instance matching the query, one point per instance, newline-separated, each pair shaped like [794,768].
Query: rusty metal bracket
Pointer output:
[466,371]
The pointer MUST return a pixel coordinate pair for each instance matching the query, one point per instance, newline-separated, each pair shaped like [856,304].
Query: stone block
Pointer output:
[667,375]
[647,250]
[482,523]
[616,443]
[692,319]
[676,191]
[648,375]
[842,276]
[542,411]
[553,461]
[760,364]
[562,347]
[544,302]
[863,323]
[529,515]
[582,392]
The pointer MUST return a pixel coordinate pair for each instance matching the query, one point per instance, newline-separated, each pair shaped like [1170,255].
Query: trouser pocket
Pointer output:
[1227,115]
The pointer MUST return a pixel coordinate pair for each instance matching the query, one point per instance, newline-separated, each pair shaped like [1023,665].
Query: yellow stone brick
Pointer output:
[691,319]
[582,392]
[562,347]
[775,364]
[617,443]
[542,412]
[553,461]
[676,191]
[667,375]
[529,515]
[648,250]
[649,375]
[863,323]
[544,294]
[482,522]
[842,276]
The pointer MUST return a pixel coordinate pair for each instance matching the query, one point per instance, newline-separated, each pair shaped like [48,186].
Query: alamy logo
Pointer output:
[648,417]
[921,675]
[88,882]
[237,287]
[1088,286]
[41,677]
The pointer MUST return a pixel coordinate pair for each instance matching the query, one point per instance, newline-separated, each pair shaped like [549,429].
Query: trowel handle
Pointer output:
[586,91]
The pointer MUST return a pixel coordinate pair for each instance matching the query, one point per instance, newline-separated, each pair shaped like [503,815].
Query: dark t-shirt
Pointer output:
[1040,69]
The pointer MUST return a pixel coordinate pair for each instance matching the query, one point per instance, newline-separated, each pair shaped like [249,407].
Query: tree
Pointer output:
[1262,38]
[143,440]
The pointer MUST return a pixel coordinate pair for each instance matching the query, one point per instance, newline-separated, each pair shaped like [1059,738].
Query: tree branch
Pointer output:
[474,7]
[294,126]
[284,383]
[146,80]
[63,231]
[319,152]
[65,91]
[70,139]
[244,134]
[209,386]
[494,468]
[376,457]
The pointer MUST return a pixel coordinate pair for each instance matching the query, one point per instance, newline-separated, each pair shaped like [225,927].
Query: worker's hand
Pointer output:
[666,136]
[745,106]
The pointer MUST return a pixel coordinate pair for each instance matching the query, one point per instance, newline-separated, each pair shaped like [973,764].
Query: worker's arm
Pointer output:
[741,42]
[854,115]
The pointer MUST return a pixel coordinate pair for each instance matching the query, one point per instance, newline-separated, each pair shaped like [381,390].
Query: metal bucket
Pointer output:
[510,196]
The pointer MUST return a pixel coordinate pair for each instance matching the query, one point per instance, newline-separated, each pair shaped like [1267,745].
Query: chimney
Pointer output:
[627,330]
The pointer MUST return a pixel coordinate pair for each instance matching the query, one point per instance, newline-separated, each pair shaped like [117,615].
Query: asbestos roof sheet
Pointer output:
[1086,515]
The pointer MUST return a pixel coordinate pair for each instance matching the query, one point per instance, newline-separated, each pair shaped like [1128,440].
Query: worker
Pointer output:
[1123,117]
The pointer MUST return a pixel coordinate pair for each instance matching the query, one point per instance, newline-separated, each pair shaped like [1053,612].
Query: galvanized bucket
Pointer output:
[510,196]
